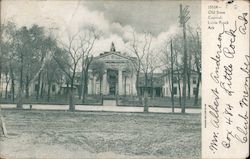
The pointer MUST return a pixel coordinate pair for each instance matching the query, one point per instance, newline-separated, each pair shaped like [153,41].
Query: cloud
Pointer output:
[68,17]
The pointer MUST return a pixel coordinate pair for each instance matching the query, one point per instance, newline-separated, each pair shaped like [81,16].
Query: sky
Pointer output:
[117,19]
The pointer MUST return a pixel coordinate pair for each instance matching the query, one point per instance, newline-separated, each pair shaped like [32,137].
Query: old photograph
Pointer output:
[102,79]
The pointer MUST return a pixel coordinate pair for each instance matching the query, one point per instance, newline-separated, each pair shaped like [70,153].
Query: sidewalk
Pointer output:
[99,108]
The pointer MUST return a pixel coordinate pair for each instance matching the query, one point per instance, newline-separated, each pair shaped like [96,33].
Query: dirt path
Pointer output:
[59,134]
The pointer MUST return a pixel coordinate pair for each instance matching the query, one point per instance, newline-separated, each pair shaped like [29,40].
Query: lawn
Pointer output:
[157,102]
[90,100]
[59,134]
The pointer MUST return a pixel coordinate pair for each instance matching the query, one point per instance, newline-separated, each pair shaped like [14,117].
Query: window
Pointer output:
[194,90]
[53,88]
[175,91]
[194,80]
[36,87]
[175,80]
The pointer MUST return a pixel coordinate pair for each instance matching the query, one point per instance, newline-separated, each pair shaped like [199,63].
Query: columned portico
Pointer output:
[118,74]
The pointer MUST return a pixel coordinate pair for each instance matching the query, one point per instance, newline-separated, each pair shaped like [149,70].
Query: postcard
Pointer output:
[124,79]
[225,62]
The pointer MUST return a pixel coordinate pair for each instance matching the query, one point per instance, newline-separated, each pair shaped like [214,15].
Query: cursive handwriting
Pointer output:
[244,101]
[215,75]
[228,113]
[242,130]
[214,111]
[229,137]
[227,85]
[230,51]
[243,28]
[229,117]
[214,143]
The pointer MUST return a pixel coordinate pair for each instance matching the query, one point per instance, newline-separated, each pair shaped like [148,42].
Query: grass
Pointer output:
[90,100]
[59,134]
[156,102]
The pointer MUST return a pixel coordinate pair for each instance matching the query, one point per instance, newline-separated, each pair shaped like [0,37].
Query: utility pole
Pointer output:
[172,76]
[184,17]
[1,29]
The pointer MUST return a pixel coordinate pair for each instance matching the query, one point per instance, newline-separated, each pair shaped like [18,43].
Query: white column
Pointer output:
[133,83]
[89,86]
[120,90]
[94,85]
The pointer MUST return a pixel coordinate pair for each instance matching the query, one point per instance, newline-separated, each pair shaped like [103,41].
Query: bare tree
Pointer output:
[195,46]
[138,48]
[178,73]
[145,62]
[68,60]
[53,75]
[168,59]
[141,48]
[88,37]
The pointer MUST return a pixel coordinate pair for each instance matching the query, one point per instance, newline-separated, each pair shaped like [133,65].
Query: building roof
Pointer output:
[117,53]
[166,72]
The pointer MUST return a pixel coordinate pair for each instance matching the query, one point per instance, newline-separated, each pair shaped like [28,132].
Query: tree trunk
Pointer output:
[42,88]
[2,125]
[20,88]
[198,70]
[71,102]
[189,75]
[81,89]
[179,87]
[152,86]
[19,98]
[145,101]
[172,76]
[71,96]
[38,86]
[49,88]
[197,90]
[6,88]
[171,87]
[67,87]
[13,89]
[138,87]
[146,94]
[27,87]
[85,86]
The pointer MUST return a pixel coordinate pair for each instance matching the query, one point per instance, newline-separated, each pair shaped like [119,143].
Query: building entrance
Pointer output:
[112,80]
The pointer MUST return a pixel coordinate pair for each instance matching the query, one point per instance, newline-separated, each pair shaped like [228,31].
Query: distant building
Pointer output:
[119,79]
[154,86]
[166,88]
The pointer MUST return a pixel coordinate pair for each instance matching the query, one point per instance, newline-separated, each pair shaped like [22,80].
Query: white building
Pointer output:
[119,77]
[193,85]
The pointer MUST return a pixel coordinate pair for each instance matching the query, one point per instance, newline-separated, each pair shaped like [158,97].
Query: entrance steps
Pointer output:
[109,102]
